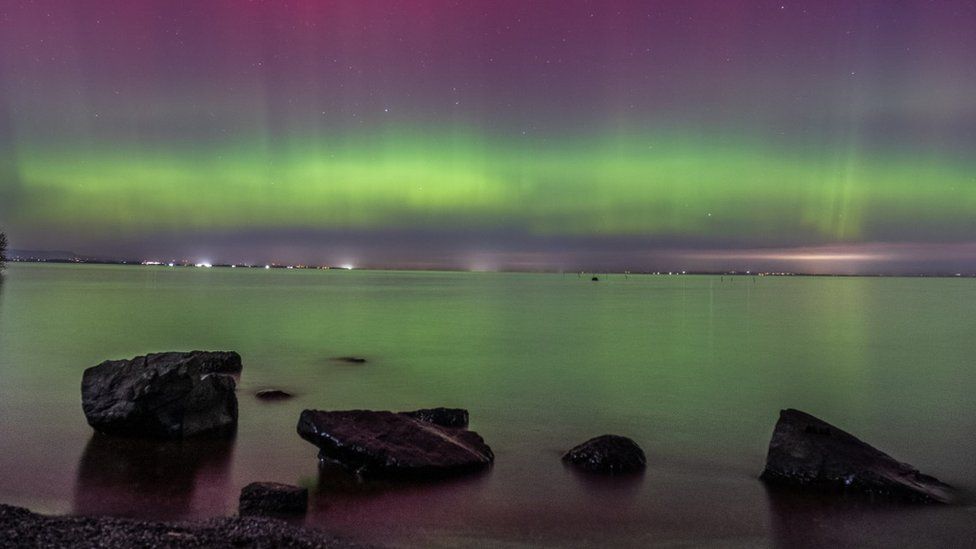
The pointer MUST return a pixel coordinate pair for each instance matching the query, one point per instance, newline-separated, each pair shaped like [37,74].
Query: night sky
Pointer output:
[815,136]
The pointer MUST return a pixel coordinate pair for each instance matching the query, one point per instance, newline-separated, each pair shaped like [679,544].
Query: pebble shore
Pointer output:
[22,528]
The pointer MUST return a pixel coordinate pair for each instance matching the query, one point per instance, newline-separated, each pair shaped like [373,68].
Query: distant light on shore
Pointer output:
[347,266]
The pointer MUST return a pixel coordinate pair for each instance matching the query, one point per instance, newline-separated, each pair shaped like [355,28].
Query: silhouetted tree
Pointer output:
[3,251]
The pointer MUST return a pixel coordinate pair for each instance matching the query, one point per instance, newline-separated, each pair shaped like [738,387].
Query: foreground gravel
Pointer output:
[22,528]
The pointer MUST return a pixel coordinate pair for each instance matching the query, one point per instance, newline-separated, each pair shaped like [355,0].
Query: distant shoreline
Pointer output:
[746,274]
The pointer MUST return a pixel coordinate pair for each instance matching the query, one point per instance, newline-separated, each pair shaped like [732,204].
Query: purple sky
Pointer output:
[502,134]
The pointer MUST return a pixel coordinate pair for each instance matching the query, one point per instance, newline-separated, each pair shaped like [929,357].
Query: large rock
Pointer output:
[210,362]
[445,417]
[272,498]
[164,395]
[608,455]
[388,444]
[810,453]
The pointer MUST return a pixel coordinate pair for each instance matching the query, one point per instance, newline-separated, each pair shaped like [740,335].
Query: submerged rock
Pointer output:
[273,394]
[272,498]
[609,455]
[388,444]
[810,453]
[350,359]
[445,417]
[163,395]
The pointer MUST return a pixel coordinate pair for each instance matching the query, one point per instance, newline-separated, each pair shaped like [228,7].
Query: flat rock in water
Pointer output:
[609,455]
[810,453]
[272,498]
[388,444]
[163,395]
[445,417]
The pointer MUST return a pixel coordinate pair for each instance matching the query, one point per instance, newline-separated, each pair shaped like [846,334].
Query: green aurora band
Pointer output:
[621,186]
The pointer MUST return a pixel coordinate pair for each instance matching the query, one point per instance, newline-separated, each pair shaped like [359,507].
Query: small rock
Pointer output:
[608,454]
[273,394]
[445,417]
[595,279]
[350,359]
[272,498]
[810,453]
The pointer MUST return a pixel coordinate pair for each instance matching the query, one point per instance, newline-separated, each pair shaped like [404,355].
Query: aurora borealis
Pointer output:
[501,134]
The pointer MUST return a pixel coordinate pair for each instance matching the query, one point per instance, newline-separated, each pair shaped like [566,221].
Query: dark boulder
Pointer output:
[272,498]
[609,455]
[810,453]
[445,417]
[218,362]
[273,394]
[164,395]
[388,444]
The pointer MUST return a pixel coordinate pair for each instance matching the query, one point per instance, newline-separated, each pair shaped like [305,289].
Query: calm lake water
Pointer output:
[694,368]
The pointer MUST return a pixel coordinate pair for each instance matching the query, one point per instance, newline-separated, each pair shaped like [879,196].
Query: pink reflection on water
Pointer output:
[160,479]
[472,509]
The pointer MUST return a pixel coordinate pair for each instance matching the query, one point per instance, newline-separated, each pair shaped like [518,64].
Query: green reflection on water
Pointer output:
[693,367]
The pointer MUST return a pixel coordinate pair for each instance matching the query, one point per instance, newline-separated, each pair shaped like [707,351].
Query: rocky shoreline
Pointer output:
[167,396]
[20,527]
[178,395]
